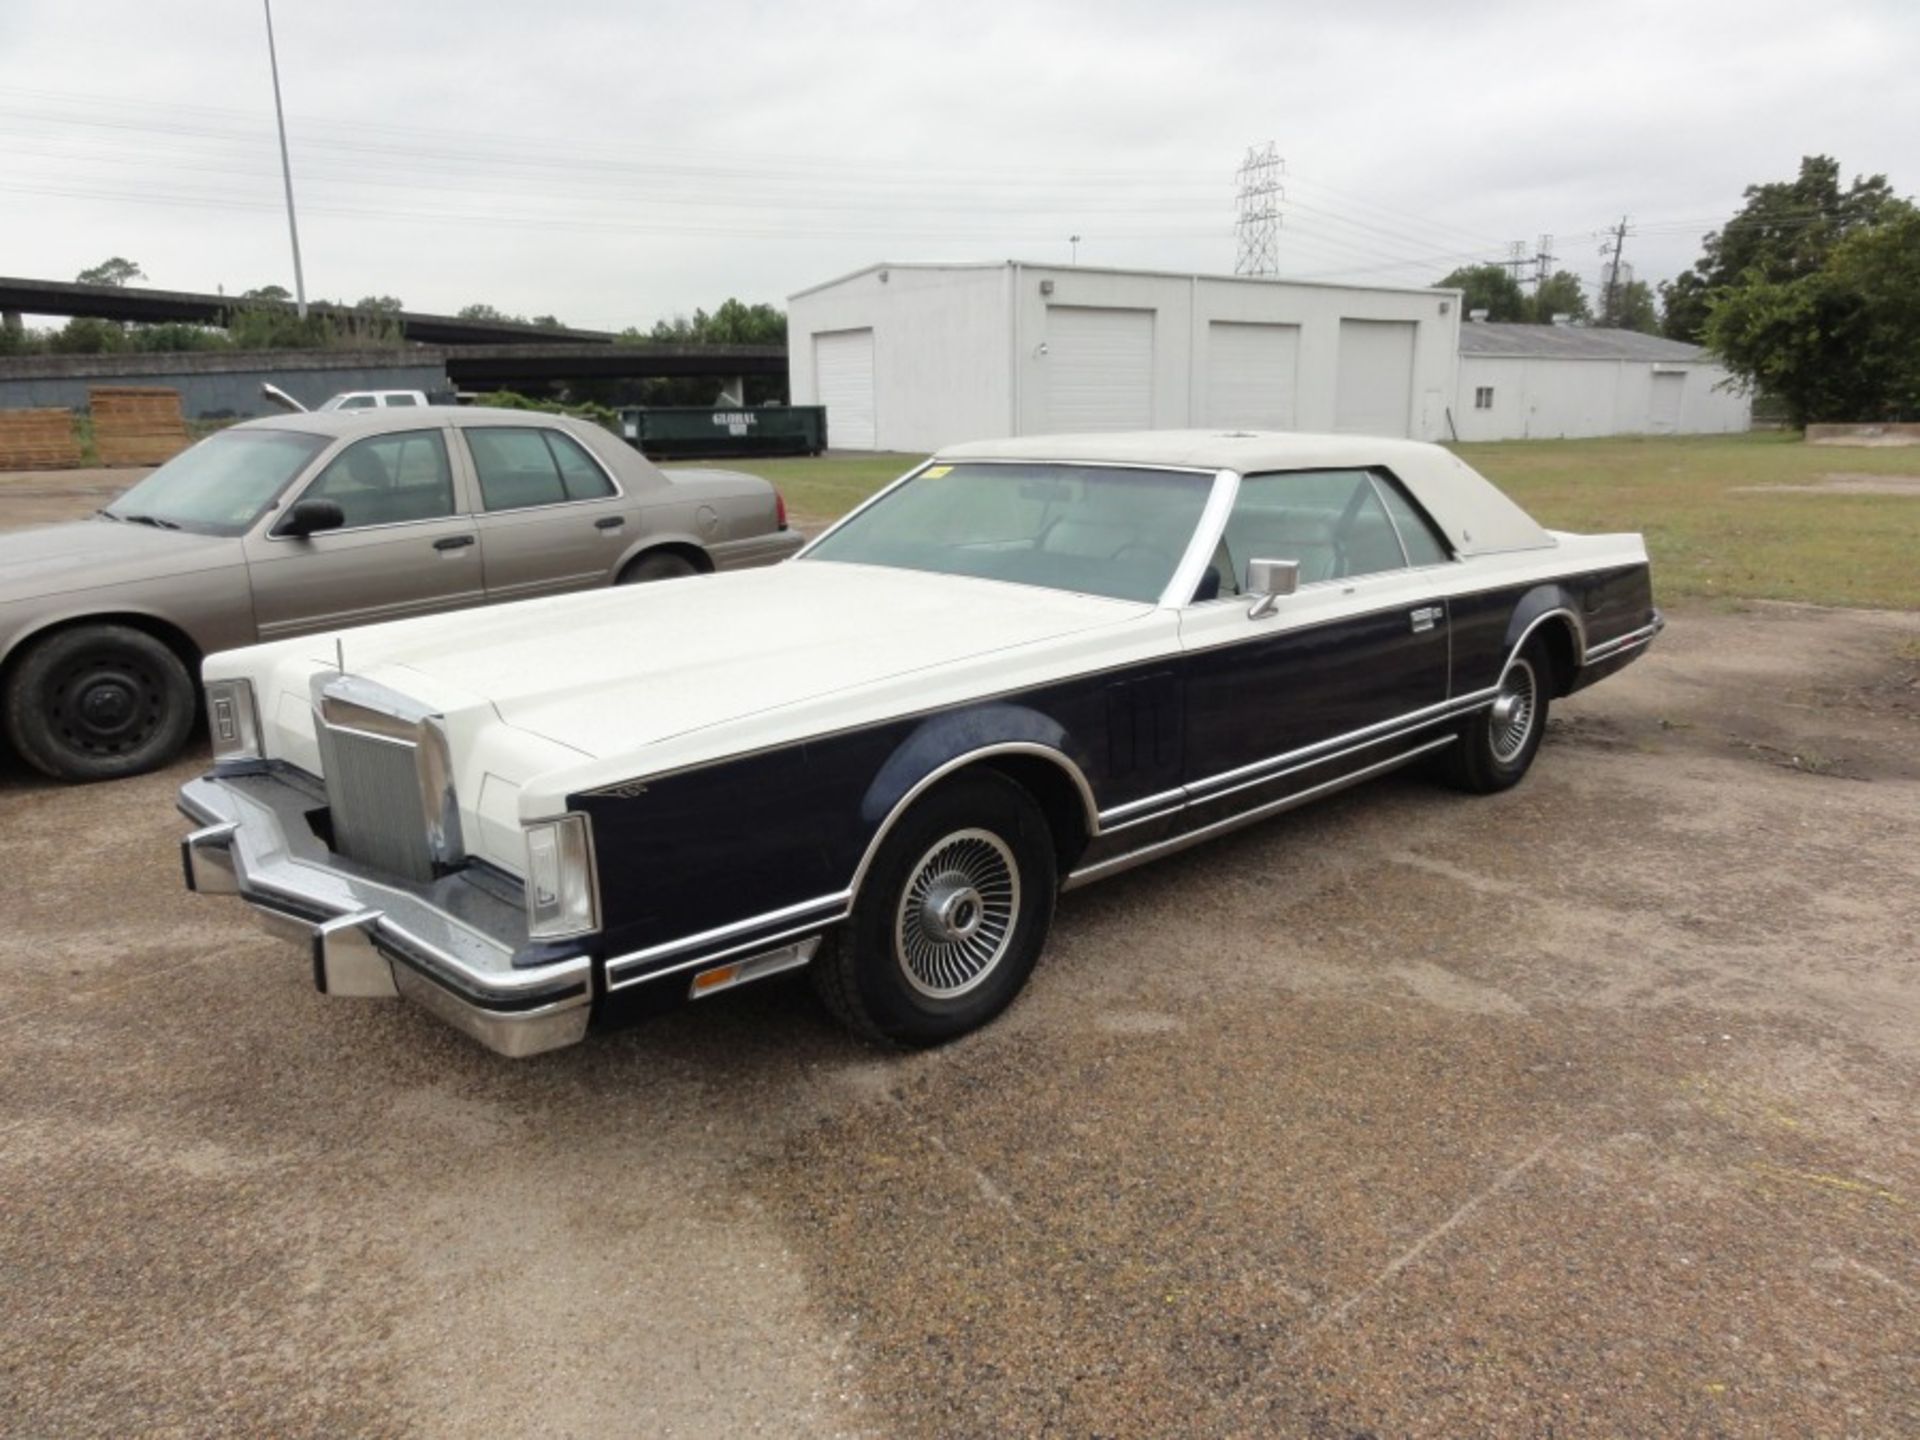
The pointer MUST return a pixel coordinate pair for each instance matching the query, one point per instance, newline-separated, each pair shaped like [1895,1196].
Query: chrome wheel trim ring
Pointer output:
[957,913]
[1515,711]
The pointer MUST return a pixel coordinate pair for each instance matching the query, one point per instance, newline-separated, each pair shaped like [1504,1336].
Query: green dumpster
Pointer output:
[679,431]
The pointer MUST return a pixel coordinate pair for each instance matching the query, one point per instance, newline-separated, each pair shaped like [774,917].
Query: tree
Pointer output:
[267,292]
[1785,231]
[488,313]
[382,304]
[1491,288]
[1631,308]
[1841,342]
[1561,295]
[116,271]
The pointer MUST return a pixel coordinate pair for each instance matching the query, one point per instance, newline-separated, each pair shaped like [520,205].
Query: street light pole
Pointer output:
[286,167]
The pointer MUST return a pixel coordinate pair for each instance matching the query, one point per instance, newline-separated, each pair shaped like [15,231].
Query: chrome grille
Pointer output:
[388,777]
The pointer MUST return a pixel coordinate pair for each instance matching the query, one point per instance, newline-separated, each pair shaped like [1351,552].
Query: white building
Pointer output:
[913,357]
[1521,382]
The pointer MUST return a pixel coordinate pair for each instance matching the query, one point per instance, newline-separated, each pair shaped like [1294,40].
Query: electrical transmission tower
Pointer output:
[1615,276]
[1516,262]
[1543,263]
[1257,225]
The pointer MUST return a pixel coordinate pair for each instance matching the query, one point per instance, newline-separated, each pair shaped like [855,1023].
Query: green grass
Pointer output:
[1709,536]
[824,487]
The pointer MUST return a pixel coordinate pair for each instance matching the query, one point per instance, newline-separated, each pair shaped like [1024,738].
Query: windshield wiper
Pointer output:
[153,520]
[108,513]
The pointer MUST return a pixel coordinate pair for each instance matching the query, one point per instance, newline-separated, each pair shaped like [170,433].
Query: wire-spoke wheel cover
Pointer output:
[957,913]
[1515,709]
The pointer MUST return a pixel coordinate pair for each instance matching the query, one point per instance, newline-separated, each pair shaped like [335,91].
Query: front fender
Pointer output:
[942,743]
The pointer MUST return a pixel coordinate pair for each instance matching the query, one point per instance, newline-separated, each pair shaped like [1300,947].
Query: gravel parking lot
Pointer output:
[1584,1109]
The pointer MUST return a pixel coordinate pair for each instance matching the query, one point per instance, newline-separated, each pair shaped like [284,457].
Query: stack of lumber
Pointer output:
[38,440]
[136,425]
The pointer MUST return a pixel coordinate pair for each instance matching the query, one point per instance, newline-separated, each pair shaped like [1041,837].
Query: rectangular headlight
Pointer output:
[233,720]
[560,890]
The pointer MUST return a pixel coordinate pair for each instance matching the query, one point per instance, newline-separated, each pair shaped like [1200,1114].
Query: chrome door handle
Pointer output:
[1425,617]
[453,542]
[610,522]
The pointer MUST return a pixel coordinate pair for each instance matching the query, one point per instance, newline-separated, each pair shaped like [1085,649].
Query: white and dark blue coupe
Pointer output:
[1027,665]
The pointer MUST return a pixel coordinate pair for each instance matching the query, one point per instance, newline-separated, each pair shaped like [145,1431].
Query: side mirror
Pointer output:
[308,517]
[1267,581]
[270,391]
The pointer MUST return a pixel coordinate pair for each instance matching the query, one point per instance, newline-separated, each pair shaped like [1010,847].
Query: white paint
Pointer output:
[964,352]
[843,369]
[1253,375]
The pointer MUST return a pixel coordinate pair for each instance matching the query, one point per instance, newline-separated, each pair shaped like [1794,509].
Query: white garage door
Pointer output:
[1099,369]
[1251,375]
[1375,380]
[843,379]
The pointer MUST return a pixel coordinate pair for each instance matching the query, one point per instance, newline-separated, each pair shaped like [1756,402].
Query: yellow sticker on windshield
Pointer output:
[934,472]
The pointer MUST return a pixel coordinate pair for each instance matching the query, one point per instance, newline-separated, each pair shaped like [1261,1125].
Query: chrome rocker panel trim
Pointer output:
[371,938]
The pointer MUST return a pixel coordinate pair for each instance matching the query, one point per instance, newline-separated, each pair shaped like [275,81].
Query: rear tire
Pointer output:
[661,565]
[98,702]
[1498,745]
[950,919]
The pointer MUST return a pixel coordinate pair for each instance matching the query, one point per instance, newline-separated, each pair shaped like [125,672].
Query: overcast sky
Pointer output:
[615,161]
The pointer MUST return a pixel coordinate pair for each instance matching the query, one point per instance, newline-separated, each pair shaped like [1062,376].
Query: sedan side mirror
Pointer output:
[308,517]
[1267,581]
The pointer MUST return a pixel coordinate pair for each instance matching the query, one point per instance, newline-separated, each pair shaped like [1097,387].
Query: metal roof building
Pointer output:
[1519,382]
[917,356]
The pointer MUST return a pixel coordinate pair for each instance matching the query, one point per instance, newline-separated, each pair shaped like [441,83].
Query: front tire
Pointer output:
[950,919]
[1498,745]
[99,702]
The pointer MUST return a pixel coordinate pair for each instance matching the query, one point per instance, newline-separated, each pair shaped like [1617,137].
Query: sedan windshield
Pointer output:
[221,485]
[1087,528]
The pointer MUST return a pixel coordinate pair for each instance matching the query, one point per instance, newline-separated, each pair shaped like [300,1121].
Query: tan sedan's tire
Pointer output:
[97,702]
[950,918]
[1499,743]
[661,565]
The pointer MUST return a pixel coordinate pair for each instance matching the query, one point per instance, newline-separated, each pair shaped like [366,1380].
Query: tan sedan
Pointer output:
[313,522]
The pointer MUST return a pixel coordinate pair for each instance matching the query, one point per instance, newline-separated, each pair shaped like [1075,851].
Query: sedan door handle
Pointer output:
[453,542]
[610,522]
[1425,617]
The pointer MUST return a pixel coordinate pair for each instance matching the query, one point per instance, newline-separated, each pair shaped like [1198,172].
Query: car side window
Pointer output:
[1330,521]
[357,402]
[393,400]
[389,479]
[521,468]
[584,479]
[1424,542]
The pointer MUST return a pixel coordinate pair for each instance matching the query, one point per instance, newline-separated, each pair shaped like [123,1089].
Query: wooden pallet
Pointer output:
[136,425]
[38,440]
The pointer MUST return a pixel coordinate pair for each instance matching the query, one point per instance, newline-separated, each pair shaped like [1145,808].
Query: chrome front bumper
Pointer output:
[448,946]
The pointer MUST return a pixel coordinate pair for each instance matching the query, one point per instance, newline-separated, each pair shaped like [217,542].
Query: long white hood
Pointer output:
[608,671]
[547,697]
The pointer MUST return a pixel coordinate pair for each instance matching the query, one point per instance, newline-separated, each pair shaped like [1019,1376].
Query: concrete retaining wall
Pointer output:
[220,385]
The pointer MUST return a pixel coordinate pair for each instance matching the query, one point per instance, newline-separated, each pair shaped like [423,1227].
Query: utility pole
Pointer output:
[1074,241]
[286,167]
[1607,313]
[1257,225]
[1543,264]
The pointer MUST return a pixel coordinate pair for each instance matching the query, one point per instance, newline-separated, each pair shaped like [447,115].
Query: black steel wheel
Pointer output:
[950,918]
[97,702]
[1499,743]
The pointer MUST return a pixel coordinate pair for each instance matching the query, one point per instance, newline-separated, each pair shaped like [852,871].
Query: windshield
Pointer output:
[1086,528]
[221,485]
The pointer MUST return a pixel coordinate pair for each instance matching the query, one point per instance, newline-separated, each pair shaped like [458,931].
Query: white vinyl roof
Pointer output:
[1477,518]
